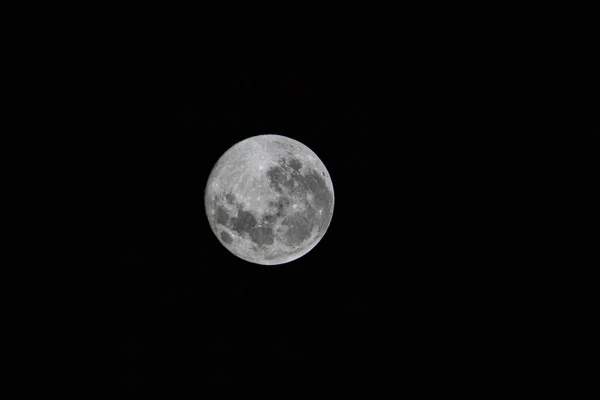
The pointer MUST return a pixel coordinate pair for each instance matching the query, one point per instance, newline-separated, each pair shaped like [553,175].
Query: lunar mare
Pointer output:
[269,199]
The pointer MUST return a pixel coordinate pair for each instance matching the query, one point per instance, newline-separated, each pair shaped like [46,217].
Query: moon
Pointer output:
[269,199]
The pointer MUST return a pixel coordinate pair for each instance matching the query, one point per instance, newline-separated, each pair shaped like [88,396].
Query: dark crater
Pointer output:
[314,184]
[244,222]
[226,237]
[230,198]
[291,165]
[277,178]
[221,216]
[262,235]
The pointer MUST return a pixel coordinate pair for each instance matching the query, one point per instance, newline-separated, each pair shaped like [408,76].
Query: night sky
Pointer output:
[400,295]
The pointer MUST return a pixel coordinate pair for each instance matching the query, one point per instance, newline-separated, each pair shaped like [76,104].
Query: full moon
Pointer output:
[269,199]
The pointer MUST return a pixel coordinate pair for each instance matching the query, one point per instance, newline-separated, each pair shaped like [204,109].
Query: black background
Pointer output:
[402,292]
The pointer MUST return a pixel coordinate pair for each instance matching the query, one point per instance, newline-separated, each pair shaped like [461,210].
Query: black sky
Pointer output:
[397,294]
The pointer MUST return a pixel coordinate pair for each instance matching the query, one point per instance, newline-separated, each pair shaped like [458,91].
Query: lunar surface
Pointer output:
[269,199]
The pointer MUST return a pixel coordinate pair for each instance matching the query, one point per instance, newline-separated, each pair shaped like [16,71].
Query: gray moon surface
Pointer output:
[269,199]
